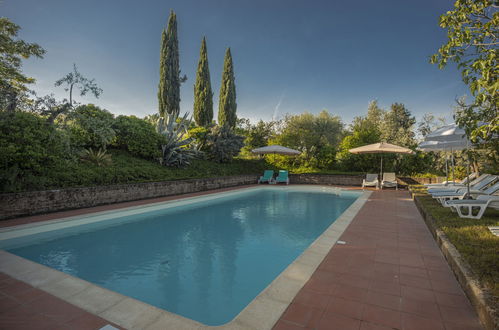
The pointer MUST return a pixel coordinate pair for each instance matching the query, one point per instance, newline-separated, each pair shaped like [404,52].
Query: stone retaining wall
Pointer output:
[36,202]
[329,179]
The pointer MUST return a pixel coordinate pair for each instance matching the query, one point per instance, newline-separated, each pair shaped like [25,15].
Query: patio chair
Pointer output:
[268,176]
[476,185]
[481,202]
[451,184]
[462,193]
[371,180]
[282,177]
[453,188]
[389,180]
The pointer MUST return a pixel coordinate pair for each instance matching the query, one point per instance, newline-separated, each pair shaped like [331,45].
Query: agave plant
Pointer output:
[175,151]
[98,157]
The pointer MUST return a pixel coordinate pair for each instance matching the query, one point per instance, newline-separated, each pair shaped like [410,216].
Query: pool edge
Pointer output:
[261,313]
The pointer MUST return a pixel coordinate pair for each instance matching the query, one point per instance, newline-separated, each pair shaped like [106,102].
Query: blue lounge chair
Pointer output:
[268,176]
[282,177]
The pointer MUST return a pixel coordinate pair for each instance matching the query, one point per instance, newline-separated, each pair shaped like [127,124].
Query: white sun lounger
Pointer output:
[442,198]
[371,180]
[481,202]
[451,184]
[389,180]
[454,188]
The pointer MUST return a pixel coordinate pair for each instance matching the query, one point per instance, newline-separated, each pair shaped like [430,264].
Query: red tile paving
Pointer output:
[25,307]
[390,274]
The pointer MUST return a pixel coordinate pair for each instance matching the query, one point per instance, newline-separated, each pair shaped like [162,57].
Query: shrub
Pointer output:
[96,157]
[223,144]
[90,127]
[199,136]
[29,148]
[138,136]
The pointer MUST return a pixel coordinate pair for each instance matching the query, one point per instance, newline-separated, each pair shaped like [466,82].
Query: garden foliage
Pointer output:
[203,96]
[90,127]
[223,144]
[137,136]
[30,149]
[175,151]
[227,105]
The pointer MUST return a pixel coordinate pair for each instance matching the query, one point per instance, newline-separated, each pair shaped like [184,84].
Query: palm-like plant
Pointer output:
[175,151]
[97,157]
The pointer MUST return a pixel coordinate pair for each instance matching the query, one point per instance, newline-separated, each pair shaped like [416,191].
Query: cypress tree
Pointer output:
[169,71]
[203,96]
[227,102]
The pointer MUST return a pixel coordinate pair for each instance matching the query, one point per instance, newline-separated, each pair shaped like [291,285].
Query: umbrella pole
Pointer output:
[446,169]
[468,195]
[381,168]
[452,164]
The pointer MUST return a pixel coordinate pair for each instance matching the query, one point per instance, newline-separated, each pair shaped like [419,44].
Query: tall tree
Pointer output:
[398,126]
[203,96]
[12,51]
[473,37]
[169,70]
[227,105]
[76,79]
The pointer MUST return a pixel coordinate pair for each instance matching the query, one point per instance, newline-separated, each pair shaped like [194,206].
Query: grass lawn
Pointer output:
[471,237]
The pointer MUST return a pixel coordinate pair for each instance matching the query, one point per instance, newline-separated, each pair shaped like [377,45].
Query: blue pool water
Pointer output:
[206,260]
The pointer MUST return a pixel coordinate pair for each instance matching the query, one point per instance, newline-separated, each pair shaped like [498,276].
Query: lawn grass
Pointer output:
[471,237]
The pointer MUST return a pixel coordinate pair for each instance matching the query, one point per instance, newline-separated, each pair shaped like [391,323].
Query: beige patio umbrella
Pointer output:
[381,148]
[275,149]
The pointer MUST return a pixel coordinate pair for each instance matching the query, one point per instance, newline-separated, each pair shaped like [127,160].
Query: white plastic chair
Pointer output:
[371,180]
[389,180]
[478,189]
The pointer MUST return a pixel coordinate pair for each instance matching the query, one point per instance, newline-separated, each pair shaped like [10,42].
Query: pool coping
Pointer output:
[261,313]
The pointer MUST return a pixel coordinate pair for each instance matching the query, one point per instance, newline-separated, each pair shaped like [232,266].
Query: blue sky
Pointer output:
[289,56]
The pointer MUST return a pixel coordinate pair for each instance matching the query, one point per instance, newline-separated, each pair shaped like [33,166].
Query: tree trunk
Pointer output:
[71,95]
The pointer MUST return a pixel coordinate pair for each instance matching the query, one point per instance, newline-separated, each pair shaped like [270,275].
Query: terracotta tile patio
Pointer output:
[25,307]
[390,274]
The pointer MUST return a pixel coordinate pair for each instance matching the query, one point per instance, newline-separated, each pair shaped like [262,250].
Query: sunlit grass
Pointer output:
[471,237]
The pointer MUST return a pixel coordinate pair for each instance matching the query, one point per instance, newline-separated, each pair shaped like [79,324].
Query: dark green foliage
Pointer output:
[138,136]
[227,105]
[199,136]
[203,96]
[128,169]
[258,135]
[98,157]
[478,246]
[314,135]
[169,70]
[472,31]
[12,52]
[223,144]
[30,148]
[90,127]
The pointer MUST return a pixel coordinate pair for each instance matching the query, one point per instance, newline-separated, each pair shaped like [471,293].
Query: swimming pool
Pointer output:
[204,259]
